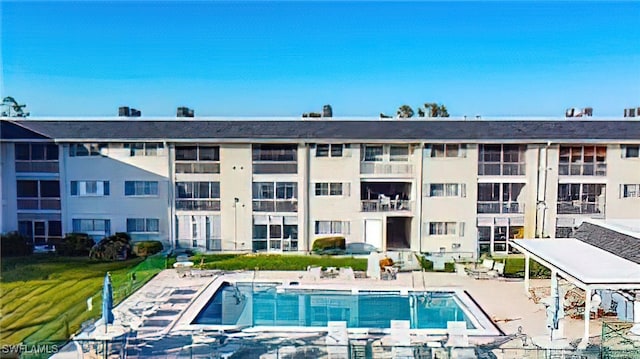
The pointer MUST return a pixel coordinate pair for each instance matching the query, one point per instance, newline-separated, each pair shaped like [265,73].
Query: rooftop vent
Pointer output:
[574,112]
[184,112]
[632,112]
[126,111]
[327,111]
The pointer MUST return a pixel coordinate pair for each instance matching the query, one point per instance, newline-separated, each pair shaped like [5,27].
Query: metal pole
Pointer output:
[235,222]
[527,257]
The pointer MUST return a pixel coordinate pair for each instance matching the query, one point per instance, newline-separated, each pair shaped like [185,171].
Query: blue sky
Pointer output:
[263,58]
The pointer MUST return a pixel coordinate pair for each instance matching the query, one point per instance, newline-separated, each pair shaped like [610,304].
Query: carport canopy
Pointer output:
[586,266]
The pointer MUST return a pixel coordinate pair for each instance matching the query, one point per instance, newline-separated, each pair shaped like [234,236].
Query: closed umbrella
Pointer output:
[107,301]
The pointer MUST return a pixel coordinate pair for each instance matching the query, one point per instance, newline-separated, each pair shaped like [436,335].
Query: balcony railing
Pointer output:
[283,205]
[384,206]
[500,207]
[37,166]
[198,204]
[578,207]
[39,203]
[386,168]
[197,167]
[275,167]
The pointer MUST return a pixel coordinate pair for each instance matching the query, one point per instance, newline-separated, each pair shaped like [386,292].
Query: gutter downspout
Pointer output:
[307,178]
[419,191]
[544,188]
[170,199]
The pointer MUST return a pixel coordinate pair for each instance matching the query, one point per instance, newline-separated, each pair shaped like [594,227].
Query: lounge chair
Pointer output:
[401,339]
[346,273]
[337,340]
[313,273]
[497,271]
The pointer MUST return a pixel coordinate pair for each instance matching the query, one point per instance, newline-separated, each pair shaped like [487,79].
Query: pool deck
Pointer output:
[157,308]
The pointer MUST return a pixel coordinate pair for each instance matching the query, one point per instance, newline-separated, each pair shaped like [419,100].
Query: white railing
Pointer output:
[386,168]
[376,205]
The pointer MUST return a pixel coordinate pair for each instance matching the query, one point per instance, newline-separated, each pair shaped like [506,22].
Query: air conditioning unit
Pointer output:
[456,246]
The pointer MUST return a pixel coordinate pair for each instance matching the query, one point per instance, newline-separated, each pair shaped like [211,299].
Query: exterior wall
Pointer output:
[236,182]
[118,167]
[621,171]
[9,216]
[461,170]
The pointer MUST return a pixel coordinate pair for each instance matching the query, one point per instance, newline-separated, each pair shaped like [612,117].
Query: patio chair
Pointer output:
[401,340]
[337,340]
[346,273]
[497,271]
[313,273]
[457,335]
[482,271]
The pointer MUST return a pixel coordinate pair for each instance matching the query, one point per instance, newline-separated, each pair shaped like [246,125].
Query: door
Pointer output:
[373,232]
[39,232]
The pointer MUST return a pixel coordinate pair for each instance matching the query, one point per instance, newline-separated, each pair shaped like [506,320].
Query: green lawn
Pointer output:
[43,298]
[275,262]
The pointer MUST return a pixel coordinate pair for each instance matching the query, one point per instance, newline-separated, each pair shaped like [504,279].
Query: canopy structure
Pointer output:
[582,264]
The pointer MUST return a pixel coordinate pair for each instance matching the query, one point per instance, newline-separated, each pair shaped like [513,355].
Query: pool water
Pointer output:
[265,305]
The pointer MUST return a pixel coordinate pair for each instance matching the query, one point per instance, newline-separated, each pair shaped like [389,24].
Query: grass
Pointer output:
[44,298]
[514,268]
[275,262]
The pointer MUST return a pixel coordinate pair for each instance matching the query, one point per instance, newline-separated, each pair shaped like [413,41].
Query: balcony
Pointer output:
[385,168]
[197,167]
[37,166]
[386,206]
[275,167]
[284,205]
[197,205]
[500,207]
[578,207]
[39,203]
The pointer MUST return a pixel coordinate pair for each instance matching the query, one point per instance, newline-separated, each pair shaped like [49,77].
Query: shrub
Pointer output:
[115,247]
[147,248]
[427,265]
[74,245]
[329,244]
[14,244]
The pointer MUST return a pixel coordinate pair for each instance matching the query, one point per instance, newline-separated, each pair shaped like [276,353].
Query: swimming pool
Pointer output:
[272,305]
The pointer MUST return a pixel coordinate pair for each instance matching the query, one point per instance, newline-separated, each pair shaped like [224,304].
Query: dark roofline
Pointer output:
[481,131]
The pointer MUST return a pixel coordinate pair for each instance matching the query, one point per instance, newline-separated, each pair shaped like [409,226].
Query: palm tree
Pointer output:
[405,111]
[11,104]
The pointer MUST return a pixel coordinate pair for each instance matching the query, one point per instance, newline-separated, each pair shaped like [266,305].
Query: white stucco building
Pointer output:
[429,185]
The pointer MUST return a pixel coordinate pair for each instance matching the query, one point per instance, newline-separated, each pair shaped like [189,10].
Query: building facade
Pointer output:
[461,188]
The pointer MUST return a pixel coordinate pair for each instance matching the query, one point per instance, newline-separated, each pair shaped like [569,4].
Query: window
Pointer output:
[140,188]
[34,189]
[581,198]
[447,190]
[330,189]
[198,196]
[92,225]
[198,189]
[275,196]
[446,150]
[144,148]
[329,150]
[399,153]
[143,225]
[197,153]
[284,153]
[582,161]
[86,149]
[373,153]
[442,228]
[36,152]
[332,227]
[501,160]
[275,233]
[500,198]
[89,188]
[631,151]
[630,190]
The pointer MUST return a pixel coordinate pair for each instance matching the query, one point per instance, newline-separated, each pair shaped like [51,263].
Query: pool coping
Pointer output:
[477,315]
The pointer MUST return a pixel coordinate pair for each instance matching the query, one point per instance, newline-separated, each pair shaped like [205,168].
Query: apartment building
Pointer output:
[456,187]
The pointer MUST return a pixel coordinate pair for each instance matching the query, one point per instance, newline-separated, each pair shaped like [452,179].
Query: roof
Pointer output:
[438,130]
[612,241]
[11,131]
[584,262]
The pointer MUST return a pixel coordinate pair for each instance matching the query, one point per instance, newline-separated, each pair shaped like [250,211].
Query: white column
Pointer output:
[527,258]
[587,316]
[635,330]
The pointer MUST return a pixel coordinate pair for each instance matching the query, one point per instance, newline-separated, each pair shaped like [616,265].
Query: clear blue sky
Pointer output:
[284,58]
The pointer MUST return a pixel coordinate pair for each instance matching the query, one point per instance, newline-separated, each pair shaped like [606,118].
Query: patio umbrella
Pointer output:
[107,301]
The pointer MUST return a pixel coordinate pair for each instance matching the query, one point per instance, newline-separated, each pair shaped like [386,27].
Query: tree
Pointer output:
[434,110]
[11,104]
[405,111]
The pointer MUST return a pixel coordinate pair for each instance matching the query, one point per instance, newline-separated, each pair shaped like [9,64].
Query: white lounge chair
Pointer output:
[337,340]
[346,273]
[313,273]
[457,335]
[401,340]
[497,271]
